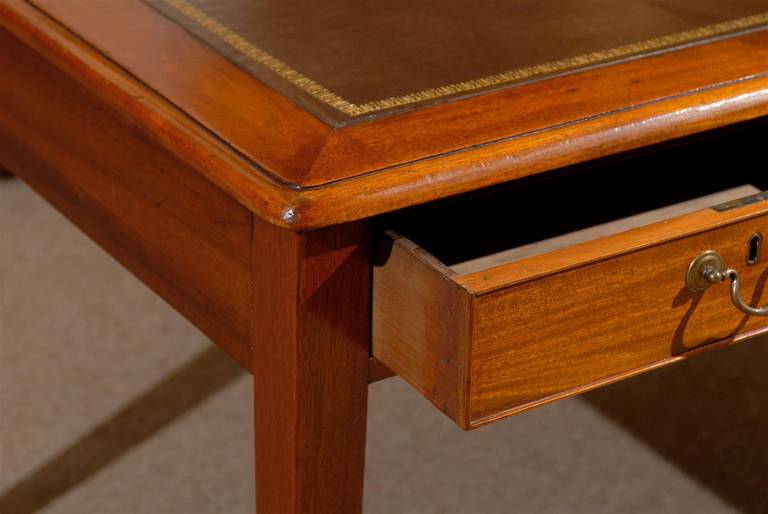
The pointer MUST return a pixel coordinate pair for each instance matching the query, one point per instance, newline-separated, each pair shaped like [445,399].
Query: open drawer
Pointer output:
[493,304]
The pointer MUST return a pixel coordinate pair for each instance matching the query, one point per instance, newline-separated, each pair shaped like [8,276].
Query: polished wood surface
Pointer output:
[310,361]
[542,328]
[345,58]
[307,174]
[132,101]
[618,315]
[420,327]
[250,211]
[183,236]
[105,176]
[547,245]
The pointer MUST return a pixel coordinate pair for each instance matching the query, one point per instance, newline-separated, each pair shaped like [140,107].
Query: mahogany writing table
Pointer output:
[337,191]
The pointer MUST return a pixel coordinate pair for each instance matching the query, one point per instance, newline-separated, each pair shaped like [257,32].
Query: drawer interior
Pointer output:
[579,204]
[494,303]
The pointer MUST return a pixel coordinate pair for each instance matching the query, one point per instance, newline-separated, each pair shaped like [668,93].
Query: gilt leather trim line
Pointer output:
[318,91]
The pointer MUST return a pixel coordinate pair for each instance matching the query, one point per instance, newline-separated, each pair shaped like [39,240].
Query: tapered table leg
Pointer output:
[310,366]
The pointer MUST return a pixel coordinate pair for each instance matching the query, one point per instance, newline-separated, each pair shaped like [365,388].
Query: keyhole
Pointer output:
[753,252]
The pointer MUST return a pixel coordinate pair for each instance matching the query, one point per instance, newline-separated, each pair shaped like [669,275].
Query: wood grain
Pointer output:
[325,176]
[593,229]
[153,116]
[311,326]
[377,144]
[419,324]
[498,277]
[558,324]
[535,153]
[261,124]
[539,339]
[547,105]
[180,234]
[143,190]
[344,59]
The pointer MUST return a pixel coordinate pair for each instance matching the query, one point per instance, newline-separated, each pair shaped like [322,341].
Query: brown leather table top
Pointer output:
[348,58]
[339,110]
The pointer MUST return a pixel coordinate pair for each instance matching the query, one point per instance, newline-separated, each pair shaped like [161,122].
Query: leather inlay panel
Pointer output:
[347,58]
[302,172]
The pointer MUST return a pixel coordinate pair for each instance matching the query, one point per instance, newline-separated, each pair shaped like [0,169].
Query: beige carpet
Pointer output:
[110,403]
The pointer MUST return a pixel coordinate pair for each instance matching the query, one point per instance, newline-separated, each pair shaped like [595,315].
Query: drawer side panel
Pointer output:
[421,325]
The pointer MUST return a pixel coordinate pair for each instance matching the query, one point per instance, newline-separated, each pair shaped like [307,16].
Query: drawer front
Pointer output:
[492,343]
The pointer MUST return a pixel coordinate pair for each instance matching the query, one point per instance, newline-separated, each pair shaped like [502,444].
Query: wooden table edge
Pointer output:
[380,191]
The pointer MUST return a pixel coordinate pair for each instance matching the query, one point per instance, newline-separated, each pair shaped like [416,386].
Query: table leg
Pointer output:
[310,365]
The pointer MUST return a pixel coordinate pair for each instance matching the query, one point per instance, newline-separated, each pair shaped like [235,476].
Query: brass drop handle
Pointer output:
[707,269]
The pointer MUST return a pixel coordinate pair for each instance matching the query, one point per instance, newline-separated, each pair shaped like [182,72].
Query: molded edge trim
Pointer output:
[376,192]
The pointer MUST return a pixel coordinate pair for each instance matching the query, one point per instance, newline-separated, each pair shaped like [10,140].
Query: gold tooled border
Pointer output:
[327,96]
